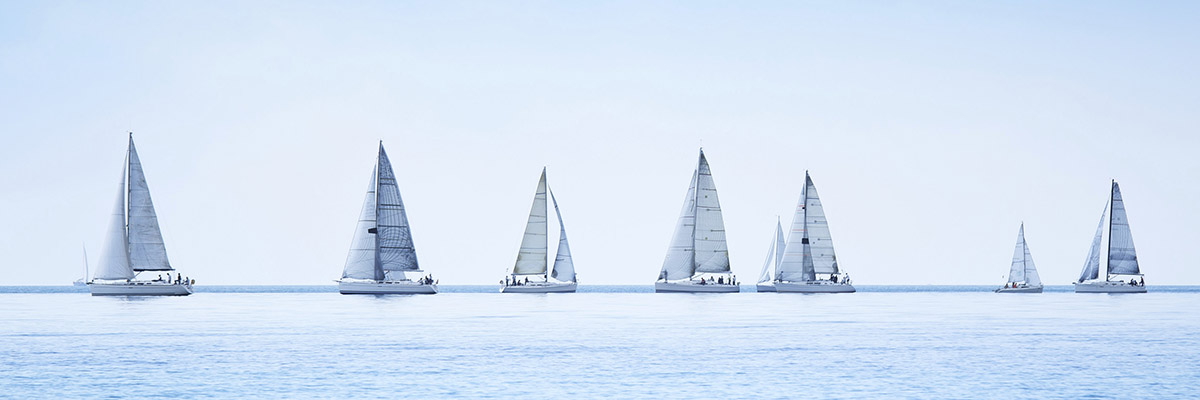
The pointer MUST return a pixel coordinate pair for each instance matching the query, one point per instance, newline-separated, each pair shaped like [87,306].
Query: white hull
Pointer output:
[541,287]
[1108,287]
[385,287]
[1024,289]
[139,289]
[813,287]
[764,287]
[689,287]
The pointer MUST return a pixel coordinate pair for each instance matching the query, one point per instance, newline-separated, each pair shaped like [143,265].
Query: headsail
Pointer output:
[1031,274]
[1122,258]
[146,249]
[774,254]
[792,268]
[531,260]
[1091,266]
[360,263]
[114,257]
[394,237]
[564,265]
[712,253]
[681,255]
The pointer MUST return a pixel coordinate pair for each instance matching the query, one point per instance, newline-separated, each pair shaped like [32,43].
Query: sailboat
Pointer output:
[1122,258]
[809,264]
[83,281]
[698,258]
[531,259]
[1022,275]
[134,243]
[382,252]
[774,258]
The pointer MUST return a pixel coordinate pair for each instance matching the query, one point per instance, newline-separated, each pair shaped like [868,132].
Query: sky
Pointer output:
[931,129]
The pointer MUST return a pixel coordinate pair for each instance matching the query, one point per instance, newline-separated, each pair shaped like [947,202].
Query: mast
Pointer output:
[128,192]
[696,211]
[1108,252]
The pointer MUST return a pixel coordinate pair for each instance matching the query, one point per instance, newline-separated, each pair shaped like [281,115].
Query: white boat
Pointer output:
[1122,257]
[698,258]
[134,243]
[774,258]
[382,252]
[532,257]
[809,264]
[1022,274]
[83,281]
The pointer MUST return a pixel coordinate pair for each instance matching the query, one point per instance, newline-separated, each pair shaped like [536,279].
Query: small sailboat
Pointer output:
[698,258]
[382,252]
[809,264]
[531,260]
[134,243]
[83,281]
[1022,275]
[774,258]
[1122,258]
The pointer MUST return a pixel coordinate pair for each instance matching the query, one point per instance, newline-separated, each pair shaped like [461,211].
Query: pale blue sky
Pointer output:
[932,129]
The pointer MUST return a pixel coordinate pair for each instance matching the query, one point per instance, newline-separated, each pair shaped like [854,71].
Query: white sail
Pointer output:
[1122,258]
[712,253]
[114,257]
[564,265]
[1031,274]
[360,263]
[681,255]
[1091,266]
[792,268]
[395,249]
[531,260]
[820,242]
[146,249]
[1023,269]
[774,254]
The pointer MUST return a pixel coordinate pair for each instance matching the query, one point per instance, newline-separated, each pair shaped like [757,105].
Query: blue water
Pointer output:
[884,342]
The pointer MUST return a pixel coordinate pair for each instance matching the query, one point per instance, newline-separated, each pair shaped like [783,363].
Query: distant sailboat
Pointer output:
[382,252]
[809,264]
[134,243]
[698,258]
[1022,275]
[531,260]
[774,258]
[1122,258]
[83,281]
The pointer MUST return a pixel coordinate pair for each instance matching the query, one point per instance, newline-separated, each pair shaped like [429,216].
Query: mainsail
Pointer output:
[531,260]
[774,254]
[1091,266]
[1023,269]
[1122,258]
[698,245]
[809,249]
[382,238]
[146,249]
[564,266]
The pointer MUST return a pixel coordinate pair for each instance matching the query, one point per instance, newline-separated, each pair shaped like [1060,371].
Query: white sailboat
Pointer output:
[83,281]
[774,258]
[531,259]
[809,264]
[698,258]
[1122,258]
[134,243]
[1022,274]
[382,252]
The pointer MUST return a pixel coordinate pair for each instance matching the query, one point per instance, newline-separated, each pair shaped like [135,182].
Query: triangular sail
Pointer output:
[774,254]
[712,253]
[1122,258]
[1091,266]
[681,255]
[360,263]
[531,260]
[394,236]
[1023,269]
[1031,274]
[564,265]
[114,256]
[146,249]
[820,241]
[792,268]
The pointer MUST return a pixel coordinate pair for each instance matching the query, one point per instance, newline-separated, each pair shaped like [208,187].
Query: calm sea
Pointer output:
[607,341]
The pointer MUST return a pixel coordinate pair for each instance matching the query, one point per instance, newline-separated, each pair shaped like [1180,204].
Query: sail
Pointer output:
[1122,258]
[146,249]
[1091,266]
[1031,274]
[774,254]
[681,255]
[820,242]
[712,254]
[360,263]
[1016,272]
[792,267]
[531,260]
[564,266]
[114,257]
[393,235]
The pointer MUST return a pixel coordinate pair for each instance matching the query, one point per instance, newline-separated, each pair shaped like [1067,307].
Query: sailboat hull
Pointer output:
[541,287]
[1108,287]
[386,287]
[813,287]
[689,287]
[1033,289]
[139,289]
[762,287]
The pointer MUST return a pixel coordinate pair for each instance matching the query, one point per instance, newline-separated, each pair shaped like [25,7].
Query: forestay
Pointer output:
[1122,258]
